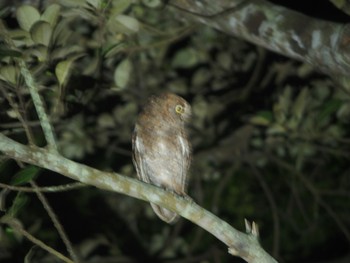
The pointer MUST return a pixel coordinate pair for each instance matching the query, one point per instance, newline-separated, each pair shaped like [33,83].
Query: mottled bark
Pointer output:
[240,244]
[324,44]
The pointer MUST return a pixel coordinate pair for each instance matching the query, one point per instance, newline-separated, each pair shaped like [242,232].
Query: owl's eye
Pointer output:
[179,109]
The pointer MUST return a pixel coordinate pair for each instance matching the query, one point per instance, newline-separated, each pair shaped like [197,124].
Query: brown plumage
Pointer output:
[161,150]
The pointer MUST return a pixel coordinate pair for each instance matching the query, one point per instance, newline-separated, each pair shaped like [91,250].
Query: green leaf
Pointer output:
[40,53]
[330,107]
[185,58]
[338,3]
[8,73]
[95,3]
[282,108]
[275,129]
[25,175]
[27,15]
[113,49]
[119,7]
[63,70]
[130,24]
[41,33]
[151,3]
[122,73]
[6,52]
[263,118]
[75,3]
[51,14]
[300,105]
[18,203]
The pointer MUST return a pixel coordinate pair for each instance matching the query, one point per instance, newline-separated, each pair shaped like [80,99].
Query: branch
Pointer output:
[324,44]
[56,223]
[17,227]
[47,189]
[39,105]
[240,244]
[34,93]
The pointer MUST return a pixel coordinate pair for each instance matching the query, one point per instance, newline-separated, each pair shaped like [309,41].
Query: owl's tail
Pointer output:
[165,214]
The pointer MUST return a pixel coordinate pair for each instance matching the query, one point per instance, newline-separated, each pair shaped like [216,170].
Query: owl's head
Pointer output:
[166,109]
[176,106]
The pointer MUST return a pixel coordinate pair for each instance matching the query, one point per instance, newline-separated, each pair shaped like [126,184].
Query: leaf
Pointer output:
[8,73]
[224,59]
[151,3]
[41,33]
[18,203]
[263,118]
[300,105]
[25,175]
[95,3]
[63,69]
[122,73]
[130,24]
[27,15]
[113,49]
[105,120]
[6,52]
[51,14]
[275,129]
[282,107]
[75,3]
[40,53]
[330,107]
[185,58]
[338,3]
[20,37]
[120,7]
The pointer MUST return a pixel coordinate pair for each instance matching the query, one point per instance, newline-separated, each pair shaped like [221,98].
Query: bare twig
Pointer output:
[21,118]
[17,227]
[47,189]
[311,188]
[274,209]
[56,222]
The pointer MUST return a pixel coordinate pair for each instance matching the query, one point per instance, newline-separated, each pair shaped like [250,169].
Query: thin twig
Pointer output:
[47,189]
[56,223]
[309,186]
[274,209]
[16,226]
[19,116]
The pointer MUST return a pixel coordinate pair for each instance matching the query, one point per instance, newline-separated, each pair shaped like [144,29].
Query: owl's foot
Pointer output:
[182,194]
[186,197]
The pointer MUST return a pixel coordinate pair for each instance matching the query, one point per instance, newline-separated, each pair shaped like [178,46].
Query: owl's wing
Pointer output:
[138,158]
[185,150]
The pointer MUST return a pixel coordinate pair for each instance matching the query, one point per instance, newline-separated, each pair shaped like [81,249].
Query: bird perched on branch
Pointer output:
[161,150]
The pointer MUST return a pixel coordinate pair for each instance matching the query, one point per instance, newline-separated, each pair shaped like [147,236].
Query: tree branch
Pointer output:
[243,245]
[34,93]
[324,44]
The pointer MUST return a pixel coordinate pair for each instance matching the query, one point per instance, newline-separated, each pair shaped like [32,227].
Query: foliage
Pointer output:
[270,135]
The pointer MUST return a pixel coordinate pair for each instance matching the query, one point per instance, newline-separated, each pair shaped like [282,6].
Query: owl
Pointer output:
[161,150]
